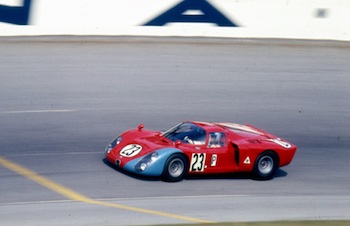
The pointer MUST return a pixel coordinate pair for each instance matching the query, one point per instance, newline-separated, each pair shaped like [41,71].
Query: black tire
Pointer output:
[265,166]
[175,168]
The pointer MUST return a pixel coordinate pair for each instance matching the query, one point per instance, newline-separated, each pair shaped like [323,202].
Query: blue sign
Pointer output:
[18,15]
[209,14]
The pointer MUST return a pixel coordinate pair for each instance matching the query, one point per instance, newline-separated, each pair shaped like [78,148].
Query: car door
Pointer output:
[219,154]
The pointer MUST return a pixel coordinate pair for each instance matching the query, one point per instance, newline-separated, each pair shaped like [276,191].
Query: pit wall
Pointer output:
[291,19]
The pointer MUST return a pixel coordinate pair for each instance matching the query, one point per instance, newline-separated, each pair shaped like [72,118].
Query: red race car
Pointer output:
[200,148]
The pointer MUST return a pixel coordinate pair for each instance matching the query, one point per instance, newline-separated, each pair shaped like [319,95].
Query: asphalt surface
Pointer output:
[63,99]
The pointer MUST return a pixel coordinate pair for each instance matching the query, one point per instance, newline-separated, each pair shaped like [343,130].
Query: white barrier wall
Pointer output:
[296,19]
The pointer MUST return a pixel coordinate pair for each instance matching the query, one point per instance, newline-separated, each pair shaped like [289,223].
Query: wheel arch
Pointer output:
[180,152]
[258,172]
[178,157]
[274,152]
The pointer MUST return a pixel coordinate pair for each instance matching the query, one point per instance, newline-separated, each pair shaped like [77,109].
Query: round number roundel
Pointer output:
[130,150]
[282,143]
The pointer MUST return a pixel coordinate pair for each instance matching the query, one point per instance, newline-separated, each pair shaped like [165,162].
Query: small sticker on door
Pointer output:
[213,160]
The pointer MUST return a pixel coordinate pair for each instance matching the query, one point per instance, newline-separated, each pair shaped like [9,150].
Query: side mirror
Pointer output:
[140,127]
[177,143]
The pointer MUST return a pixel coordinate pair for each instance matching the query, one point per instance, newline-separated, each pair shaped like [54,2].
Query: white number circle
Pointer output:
[130,150]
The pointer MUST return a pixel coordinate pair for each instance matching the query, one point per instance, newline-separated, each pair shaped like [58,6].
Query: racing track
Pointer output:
[63,99]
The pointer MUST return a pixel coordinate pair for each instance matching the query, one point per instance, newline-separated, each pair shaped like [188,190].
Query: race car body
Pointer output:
[200,148]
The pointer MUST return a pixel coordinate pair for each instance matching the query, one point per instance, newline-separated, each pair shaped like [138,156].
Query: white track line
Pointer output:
[128,199]
[38,111]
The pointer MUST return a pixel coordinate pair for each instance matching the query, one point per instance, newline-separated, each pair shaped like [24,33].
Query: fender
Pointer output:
[155,168]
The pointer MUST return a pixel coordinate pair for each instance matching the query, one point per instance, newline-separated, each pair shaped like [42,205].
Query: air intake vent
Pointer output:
[254,141]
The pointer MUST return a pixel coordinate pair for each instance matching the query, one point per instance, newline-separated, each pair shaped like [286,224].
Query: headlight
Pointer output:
[154,156]
[143,166]
[113,144]
[118,140]
[146,161]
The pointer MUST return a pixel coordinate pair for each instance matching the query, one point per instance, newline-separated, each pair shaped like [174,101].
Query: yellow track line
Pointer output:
[73,195]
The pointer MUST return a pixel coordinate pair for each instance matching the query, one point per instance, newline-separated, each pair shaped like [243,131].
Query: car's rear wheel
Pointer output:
[265,165]
[175,168]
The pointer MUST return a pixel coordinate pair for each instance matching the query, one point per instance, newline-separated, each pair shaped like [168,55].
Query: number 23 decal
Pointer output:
[198,162]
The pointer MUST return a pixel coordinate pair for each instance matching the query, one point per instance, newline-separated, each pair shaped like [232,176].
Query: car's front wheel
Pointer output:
[265,166]
[175,168]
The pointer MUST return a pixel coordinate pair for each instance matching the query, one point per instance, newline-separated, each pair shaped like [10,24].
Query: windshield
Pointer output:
[186,133]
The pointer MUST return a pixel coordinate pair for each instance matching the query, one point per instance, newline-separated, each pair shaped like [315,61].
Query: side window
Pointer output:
[217,140]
